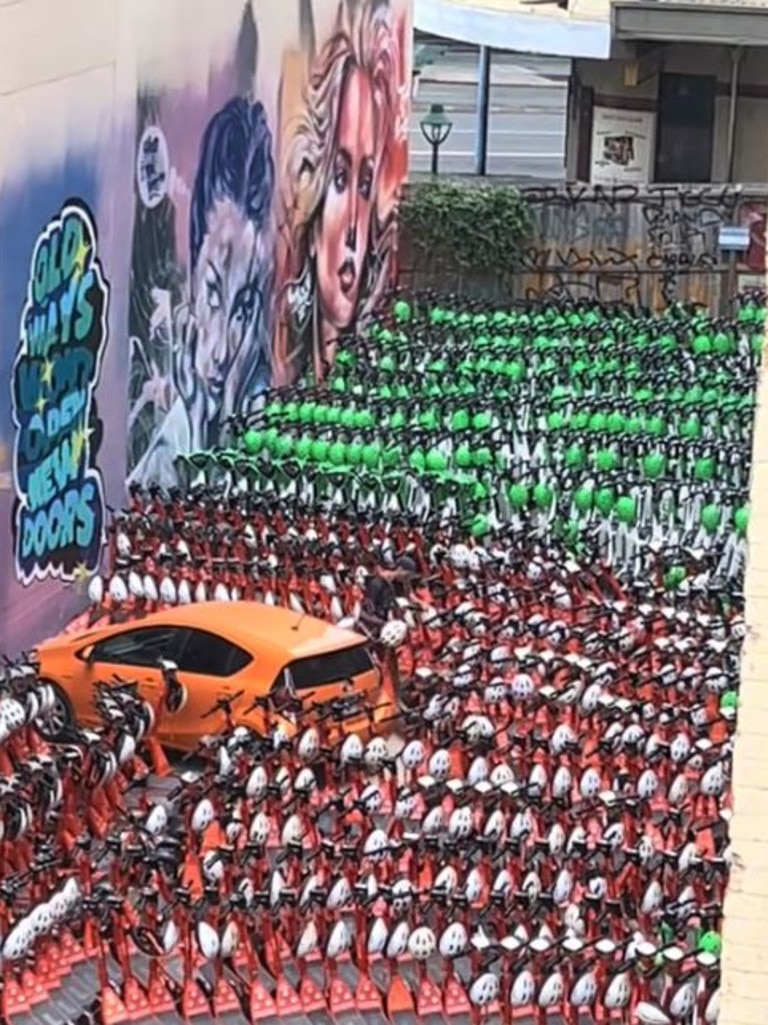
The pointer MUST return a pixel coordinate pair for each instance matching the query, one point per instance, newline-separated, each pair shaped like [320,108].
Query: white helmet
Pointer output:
[118,592]
[351,749]
[339,941]
[453,941]
[484,990]
[96,590]
[376,753]
[412,754]
[393,633]
[422,943]
[440,764]
[376,845]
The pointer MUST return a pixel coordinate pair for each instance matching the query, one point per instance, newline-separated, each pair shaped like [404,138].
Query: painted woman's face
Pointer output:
[228,306]
[341,239]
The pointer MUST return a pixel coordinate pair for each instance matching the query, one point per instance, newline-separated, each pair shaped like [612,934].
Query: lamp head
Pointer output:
[436,125]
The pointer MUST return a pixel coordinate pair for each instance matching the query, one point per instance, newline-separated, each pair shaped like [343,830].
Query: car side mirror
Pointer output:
[87,654]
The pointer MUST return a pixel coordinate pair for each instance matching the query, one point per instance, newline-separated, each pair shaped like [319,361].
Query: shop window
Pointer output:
[685,128]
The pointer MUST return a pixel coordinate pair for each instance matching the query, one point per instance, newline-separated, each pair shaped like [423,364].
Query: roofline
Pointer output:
[688,22]
[521,32]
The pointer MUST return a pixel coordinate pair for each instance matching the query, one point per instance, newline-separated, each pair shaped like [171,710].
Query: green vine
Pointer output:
[469,226]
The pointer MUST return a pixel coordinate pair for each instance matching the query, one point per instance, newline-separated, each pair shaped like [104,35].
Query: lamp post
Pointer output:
[436,127]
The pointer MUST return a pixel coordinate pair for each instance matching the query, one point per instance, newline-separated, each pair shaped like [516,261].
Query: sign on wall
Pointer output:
[622,146]
[58,521]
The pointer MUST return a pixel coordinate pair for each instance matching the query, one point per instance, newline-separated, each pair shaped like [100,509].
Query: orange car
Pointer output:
[220,649]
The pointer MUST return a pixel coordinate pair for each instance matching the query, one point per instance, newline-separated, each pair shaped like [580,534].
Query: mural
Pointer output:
[343,158]
[64,403]
[59,516]
[200,302]
[234,221]
[259,246]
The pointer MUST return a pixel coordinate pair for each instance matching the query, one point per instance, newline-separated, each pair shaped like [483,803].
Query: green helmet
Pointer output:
[402,311]
[252,440]
[518,495]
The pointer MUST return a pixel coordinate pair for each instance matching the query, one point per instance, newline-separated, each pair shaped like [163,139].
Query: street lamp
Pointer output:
[436,127]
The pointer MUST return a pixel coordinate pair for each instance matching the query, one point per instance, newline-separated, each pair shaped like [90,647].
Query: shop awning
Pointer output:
[525,26]
[724,24]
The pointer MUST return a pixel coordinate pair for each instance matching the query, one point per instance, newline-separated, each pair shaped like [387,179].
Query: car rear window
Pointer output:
[332,667]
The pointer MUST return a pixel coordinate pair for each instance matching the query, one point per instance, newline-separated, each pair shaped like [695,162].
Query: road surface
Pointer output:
[526,132]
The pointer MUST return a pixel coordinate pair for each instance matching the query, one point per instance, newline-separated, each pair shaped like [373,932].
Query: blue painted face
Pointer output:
[229,307]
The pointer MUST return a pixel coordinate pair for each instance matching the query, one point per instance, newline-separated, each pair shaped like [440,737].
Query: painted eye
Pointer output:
[341,175]
[212,289]
[245,306]
[366,180]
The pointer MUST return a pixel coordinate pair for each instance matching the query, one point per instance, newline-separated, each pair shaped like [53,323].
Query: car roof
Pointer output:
[271,631]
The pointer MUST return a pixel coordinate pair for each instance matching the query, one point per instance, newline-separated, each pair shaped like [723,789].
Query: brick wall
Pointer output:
[745,949]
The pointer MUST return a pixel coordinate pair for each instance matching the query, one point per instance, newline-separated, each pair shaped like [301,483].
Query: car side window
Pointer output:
[210,655]
[142,647]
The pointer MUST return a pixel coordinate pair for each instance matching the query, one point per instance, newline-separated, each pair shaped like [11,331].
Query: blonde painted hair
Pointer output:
[362,40]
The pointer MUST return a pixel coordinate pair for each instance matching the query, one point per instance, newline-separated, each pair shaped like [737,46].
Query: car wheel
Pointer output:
[59,722]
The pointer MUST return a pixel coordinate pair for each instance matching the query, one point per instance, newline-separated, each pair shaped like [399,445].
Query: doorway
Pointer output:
[685,128]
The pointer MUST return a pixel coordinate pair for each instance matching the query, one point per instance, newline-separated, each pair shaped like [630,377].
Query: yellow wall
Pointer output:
[745,936]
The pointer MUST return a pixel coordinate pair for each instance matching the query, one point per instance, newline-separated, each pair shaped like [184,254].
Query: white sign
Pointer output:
[622,146]
[733,238]
[152,167]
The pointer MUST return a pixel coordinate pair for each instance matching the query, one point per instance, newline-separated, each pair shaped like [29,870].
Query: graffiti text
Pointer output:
[59,520]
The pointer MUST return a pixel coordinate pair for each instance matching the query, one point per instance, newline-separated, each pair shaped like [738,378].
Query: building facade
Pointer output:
[197,200]
[690,111]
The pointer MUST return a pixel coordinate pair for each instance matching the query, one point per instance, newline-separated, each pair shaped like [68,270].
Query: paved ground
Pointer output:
[527,114]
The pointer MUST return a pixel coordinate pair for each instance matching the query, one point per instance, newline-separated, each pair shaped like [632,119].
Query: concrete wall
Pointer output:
[751,140]
[745,939]
[197,197]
